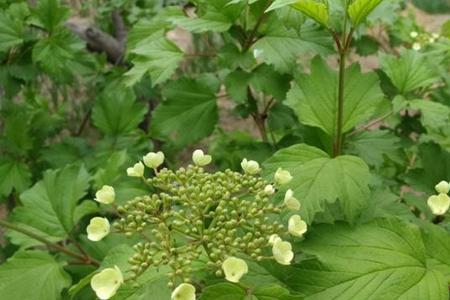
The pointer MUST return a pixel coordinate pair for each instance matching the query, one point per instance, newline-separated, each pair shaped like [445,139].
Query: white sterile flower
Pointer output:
[234,268]
[282,176]
[250,166]
[442,187]
[413,34]
[137,170]
[184,291]
[282,252]
[439,204]
[201,159]
[274,238]
[153,160]
[106,283]
[97,229]
[435,35]
[269,190]
[297,226]
[416,46]
[290,201]
[105,195]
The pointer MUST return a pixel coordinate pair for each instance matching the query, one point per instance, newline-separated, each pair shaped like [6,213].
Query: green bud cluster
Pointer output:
[194,215]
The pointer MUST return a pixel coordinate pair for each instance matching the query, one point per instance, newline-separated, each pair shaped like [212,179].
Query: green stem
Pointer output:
[340,115]
[50,244]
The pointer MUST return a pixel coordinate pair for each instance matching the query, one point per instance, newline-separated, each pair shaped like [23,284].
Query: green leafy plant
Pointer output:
[327,122]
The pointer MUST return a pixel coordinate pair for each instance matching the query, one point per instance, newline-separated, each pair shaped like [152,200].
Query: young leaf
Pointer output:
[50,14]
[319,180]
[313,9]
[434,115]
[116,111]
[360,9]
[49,206]
[227,291]
[317,106]
[190,111]
[32,275]
[384,259]
[159,57]
[409,71]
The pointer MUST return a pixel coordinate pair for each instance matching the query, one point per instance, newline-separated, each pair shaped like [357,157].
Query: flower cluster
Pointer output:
[220,219]
[421,39]
[440,204]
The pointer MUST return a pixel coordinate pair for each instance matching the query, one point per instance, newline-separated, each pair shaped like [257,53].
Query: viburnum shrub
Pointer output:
[325,161]
[192,215]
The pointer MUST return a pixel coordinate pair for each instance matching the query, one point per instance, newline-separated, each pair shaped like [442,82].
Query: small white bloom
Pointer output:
[413,34]
[290,201]
[234,268]
[184,291]
[137,170]
[250,166]
[274,238]
[106,283]
[97,229]
[416,46]
[269,190]
[282,252]
[282,176]
[296,226]
[258,53]
[153,160]
[105,195]
[442,187]
[201,159]
[431,40]
[439,204]
[435,35]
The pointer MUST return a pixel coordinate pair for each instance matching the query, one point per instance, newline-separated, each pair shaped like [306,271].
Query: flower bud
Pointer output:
[136,171]
[200,159]
[442,187]
[282,252]
[184,291]
[234,268]
[105,195]
[106,283]
[273,239]
[269,190]
[153,160]
[250,166]
[282,177]
[97,229]
[439,204]
[413,34]
[296,226]
[290,201]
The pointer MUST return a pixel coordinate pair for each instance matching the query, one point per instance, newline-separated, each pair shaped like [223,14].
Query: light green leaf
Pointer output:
[11,32]
[372,145]
[434,115]
[319,180]
[281,46]
[32,275]
[159,57]
[437,245]
[317,106]
[409,71]
[49,206]
[313,9]
[280,3]
[190,111]
[228,291]
[13,176]
[360,9]
[116,111]
[383,260]
[213,21]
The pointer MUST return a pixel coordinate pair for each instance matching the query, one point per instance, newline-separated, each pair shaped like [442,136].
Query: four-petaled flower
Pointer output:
[234,268]
[105,195]
[201,159]
[106,283]
[153,160]
[184,291]
[97,229]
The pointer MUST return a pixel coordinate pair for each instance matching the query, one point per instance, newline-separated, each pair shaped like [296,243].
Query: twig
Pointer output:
[49,244]
[370,124]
